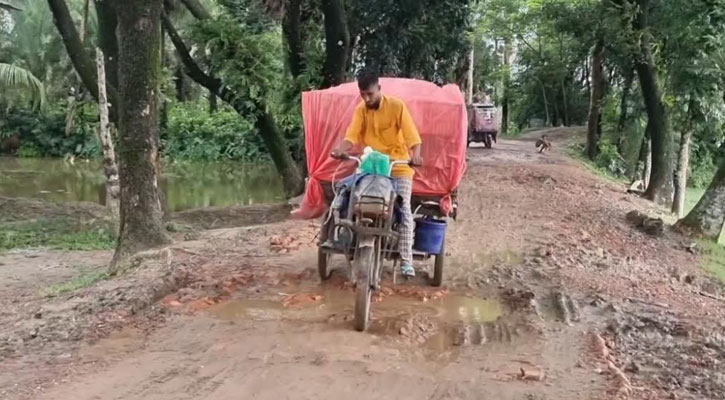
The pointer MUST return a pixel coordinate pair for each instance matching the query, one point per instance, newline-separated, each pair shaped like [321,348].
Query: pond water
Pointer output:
[185,185]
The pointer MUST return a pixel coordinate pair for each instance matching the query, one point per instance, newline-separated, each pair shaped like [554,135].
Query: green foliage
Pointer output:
[246,50]
[19,82]
[426,39]
[610,159]
[49,134]
[194,134]
[56,234]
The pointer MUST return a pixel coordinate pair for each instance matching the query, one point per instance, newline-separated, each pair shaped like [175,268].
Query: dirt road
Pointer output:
[550,294]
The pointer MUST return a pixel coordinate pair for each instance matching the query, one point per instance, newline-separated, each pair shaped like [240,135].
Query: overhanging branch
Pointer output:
[210,82]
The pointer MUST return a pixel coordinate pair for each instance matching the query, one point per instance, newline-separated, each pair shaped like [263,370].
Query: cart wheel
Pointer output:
[323,265]
[440,260]
[363,291]
[487,140]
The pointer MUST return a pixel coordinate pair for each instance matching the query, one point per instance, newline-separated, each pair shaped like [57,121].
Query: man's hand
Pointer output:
[342,152]
[415,158]
[339,154]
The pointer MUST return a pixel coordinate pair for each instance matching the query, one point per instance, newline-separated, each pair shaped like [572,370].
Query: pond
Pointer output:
[185,185]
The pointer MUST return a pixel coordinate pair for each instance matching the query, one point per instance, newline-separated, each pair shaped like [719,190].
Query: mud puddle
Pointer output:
[328,304]
[435,329]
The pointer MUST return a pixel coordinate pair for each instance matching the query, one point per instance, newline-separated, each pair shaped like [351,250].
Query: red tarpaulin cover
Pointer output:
[439,113]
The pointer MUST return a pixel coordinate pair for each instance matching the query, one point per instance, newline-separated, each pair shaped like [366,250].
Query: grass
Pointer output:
[576,151]
[76,283]
[55,234]
[714,262]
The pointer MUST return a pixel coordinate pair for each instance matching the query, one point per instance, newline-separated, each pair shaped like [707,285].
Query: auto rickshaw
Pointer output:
[365,229]
[482,124]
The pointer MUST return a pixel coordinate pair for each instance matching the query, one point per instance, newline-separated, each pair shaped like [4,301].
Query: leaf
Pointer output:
[14,77]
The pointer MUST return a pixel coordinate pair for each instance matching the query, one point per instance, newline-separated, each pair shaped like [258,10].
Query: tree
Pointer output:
[15,78]
[427,39]
[292,32]
[660,186]
[248,100]
[595,106]
[708,216]
[337,42]
[82,61]
[105,137]
[139,74]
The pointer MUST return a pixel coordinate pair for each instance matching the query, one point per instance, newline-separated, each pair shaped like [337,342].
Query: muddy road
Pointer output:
[549,294]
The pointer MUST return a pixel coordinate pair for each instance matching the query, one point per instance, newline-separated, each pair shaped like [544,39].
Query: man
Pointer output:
[384,123]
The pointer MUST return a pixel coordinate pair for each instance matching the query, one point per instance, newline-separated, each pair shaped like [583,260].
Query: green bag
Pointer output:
[376,163]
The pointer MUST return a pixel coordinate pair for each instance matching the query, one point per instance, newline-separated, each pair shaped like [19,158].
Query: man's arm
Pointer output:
[353,135]
[411,136]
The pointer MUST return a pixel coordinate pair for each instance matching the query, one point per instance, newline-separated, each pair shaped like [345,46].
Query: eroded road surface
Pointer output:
[549,294]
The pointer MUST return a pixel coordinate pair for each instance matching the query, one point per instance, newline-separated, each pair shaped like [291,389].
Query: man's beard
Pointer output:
[373,106]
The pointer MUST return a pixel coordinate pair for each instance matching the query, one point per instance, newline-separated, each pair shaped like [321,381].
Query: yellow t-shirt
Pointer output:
[389,129]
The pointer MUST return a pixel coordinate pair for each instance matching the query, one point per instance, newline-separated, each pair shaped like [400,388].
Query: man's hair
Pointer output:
[366,80]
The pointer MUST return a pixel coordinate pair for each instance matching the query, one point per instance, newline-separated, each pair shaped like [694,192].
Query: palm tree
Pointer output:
[13,78]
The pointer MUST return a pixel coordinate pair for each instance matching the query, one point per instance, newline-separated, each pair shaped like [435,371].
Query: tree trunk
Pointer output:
[595,99]
[546,103]
[565,104]
[678,206]
[660,187]
[84,23]
[213,106]
[624,110]
[139,32]
[555,120]
[197,9]
[264,122]
[624,103]
[647,171]
[292,31]
[708,216]
[337,40]
[105,137]
[107,41]
[505,118]
[471,63]
[179,84]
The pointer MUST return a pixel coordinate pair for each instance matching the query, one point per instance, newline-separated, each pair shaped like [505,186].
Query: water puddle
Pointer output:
[448,309]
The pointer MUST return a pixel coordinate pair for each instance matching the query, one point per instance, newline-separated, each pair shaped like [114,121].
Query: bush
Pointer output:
[43,134]
[610,159]
[196,135]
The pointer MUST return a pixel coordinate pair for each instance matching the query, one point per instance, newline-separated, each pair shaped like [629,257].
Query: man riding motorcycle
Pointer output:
[384,123]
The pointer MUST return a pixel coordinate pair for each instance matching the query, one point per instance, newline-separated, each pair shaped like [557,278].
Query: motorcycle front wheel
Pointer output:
[364,265]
